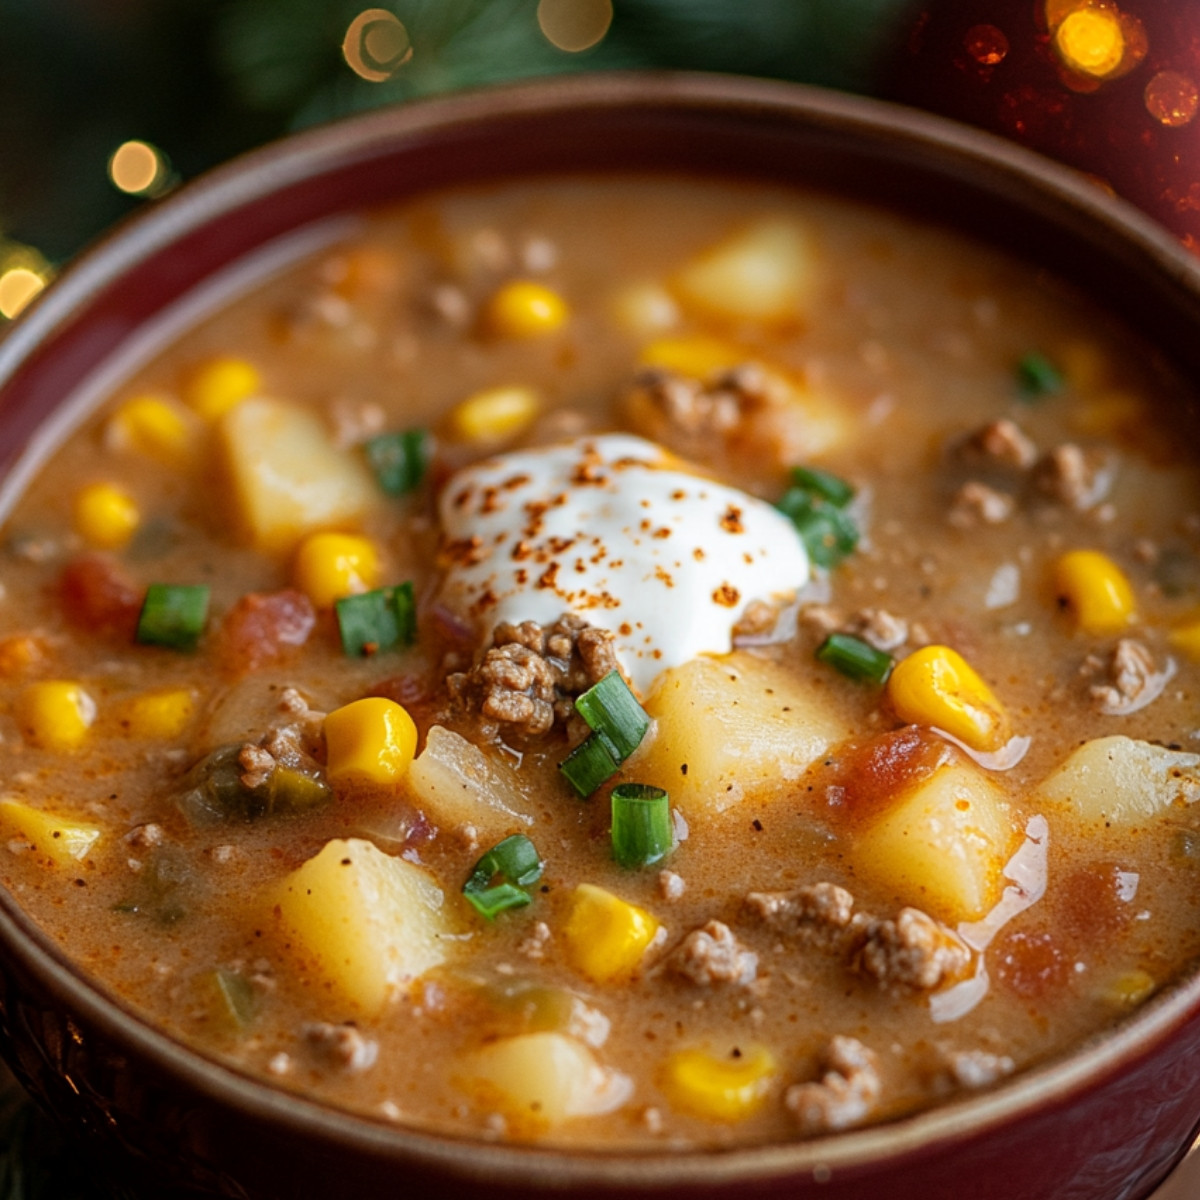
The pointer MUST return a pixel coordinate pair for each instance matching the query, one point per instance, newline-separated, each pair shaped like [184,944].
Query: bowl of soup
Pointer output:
[631,636]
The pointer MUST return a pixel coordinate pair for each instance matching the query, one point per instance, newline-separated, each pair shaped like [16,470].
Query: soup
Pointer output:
[619,662]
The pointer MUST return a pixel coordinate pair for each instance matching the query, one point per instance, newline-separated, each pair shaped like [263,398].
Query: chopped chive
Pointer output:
[1037,376]
[612,711]
[855,658]
[824,484]
[641,824]
[373,621]
[498,879]
[589,765]
[399,459]
[173,615]
[829,533]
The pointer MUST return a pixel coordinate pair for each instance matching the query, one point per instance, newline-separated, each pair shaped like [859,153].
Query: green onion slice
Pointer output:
[618,723]
[1037,376]
[377,620]
[816,503]
[641,824]
[828,486]
[173,615]
[855,658]
[589,765]
[400,459]
[498,880]
[612,711]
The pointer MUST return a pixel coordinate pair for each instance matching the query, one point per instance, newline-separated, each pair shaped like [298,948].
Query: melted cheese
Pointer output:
[612,529]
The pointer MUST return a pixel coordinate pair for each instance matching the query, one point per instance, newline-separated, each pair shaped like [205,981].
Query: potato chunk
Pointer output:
[1119,781]
[733,726]
[544,1078]
[288,478]
[455,784]
[50,838]
[942,844]
[766,272]
[363,922]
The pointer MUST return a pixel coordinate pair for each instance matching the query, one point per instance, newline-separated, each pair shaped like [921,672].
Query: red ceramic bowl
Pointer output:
[1106,1122]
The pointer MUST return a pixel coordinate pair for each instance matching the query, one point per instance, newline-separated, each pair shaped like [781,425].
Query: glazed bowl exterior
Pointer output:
[1105,1123]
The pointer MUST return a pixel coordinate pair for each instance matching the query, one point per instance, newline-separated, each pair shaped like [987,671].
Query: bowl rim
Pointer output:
[258,173]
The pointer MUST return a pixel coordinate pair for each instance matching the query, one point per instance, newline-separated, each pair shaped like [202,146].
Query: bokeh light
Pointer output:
[1091,41]
[1172,98]
[139,169]
[18,285]
[574,25]
[376,45]
[986,44]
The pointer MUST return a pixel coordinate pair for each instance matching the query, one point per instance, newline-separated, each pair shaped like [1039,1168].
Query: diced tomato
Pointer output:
[98,596]
[1029,964]
[876,772]
[262,627]
[1097,902]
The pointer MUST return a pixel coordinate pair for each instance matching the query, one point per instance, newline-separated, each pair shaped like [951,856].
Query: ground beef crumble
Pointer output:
[1072,476]
[340,1047]
[530,676]
[912,952]
[844,1096]
[711,956]
[1133,680]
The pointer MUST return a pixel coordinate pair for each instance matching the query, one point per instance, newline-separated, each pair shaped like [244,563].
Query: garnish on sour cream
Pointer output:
[617,531]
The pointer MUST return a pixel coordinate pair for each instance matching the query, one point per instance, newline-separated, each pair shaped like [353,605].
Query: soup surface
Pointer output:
[619,661]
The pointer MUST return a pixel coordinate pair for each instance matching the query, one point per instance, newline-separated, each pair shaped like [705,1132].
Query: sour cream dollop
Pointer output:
[615,530]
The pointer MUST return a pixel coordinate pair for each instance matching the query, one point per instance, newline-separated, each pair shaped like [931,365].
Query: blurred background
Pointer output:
[106,104]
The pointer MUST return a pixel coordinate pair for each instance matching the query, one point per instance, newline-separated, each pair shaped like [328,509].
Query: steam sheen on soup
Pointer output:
[625,661]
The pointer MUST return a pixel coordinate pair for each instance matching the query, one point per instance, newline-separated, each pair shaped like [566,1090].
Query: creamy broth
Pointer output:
[989,421]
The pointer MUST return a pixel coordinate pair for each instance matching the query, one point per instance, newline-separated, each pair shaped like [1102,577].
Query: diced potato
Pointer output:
[455,783]
[767,272]
[730,727]
[645,309]
[51,838]
[363,922]
[543,1079]
[942,845]
[1119,781]
[288,478]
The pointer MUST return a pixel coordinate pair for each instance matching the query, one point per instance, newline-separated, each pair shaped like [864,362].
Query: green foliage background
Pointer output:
[205,79]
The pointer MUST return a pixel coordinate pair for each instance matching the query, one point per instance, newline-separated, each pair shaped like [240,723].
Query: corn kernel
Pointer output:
[369,741]
[1108,414]
[154,426]
[1096,591]
[1130,988]
[220,384]
[605,936]
[698,356]
[64,842]
[1184,637]
[19,652]
[55,714]
[494,414]
[106,516]
[524,309]
[329,566]
[935,686]
[719,1089]
[163,713]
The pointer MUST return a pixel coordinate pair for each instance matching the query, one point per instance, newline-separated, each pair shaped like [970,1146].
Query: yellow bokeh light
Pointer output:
[138,168]
[376,45]
[1091,41]
[574,25]
[18,285]
[1172,98]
